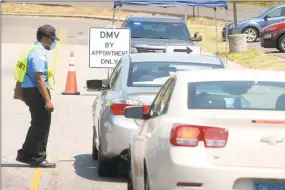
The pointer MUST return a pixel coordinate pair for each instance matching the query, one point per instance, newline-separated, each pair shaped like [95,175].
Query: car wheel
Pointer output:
[281,44]
[106,167]
[251,34]
[94,148]
[130,182]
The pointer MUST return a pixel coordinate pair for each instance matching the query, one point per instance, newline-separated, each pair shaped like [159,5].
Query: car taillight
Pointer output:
[118,106]
[191,135]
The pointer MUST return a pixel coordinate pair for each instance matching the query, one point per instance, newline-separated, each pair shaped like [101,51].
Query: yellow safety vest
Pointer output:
[21,67]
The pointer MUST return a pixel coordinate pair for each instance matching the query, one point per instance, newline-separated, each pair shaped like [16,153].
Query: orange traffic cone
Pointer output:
[71,83]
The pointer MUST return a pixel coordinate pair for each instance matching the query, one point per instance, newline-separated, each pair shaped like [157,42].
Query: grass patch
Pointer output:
[251,59]
[204,22]
[45,9]
[262,4]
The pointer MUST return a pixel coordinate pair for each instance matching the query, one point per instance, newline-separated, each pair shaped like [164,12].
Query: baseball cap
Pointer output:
[48,30]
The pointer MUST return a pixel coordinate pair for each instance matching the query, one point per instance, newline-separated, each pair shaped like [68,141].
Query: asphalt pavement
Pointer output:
[270,51]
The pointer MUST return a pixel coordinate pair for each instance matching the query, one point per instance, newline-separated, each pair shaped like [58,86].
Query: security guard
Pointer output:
[36,79]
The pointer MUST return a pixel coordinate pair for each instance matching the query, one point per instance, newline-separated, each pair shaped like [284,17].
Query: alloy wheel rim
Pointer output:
[283,43]
[250,34]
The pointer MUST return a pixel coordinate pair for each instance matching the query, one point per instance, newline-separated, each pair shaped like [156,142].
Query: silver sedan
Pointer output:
[135,80]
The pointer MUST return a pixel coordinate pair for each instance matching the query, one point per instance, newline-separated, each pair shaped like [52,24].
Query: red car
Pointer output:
[273,36]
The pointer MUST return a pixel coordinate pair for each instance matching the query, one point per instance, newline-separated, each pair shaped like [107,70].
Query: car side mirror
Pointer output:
[106,83]
[134,112]
[96,84]
[266,17]
[197,37]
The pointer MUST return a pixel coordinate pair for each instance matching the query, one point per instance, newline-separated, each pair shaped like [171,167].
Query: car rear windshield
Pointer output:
[159,30]
[237,95]
[154,74]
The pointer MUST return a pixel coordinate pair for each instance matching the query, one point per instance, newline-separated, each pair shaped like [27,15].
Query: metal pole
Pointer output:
[119,14]
[235,15]
[193,11]
[227,32]
[217,40]
[113,22]
[114,12]
[185,16]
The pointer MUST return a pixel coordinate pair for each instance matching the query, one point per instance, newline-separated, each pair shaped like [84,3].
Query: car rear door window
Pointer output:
[283,12]
[276,13]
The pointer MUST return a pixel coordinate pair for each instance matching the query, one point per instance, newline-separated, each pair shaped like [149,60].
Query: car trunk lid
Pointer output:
[255,138]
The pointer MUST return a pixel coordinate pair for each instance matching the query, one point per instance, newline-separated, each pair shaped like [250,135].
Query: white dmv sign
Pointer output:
[107,46]
[184,49]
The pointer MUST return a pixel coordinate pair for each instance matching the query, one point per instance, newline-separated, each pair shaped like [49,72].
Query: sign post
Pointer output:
[107,46]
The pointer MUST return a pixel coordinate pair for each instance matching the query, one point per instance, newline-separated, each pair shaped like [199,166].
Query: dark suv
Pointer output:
[154,33]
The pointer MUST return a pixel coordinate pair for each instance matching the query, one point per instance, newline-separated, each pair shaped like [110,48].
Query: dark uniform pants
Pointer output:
[34,148]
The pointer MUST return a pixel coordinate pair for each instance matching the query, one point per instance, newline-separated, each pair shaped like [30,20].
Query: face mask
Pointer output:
[52,46]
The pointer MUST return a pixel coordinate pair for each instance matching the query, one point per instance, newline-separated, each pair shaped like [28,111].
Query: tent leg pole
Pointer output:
[114,11]
[119,14]
[217,40]
[227,36]
[185,16]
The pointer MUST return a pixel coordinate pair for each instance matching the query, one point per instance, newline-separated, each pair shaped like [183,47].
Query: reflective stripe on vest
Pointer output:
[21,67]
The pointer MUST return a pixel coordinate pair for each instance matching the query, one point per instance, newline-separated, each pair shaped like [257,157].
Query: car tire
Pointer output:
[253,32]
[94,148]
[106,167]
[281,43]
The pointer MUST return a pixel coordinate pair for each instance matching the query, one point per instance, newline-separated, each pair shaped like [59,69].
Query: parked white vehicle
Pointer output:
[194,137]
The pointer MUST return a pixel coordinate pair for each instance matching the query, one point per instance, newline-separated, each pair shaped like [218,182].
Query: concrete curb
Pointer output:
[65,16]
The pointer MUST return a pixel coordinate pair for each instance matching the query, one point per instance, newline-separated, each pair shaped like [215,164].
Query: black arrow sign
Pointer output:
[187,50]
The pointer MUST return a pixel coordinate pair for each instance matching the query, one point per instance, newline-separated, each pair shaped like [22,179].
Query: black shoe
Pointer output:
[44,164]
